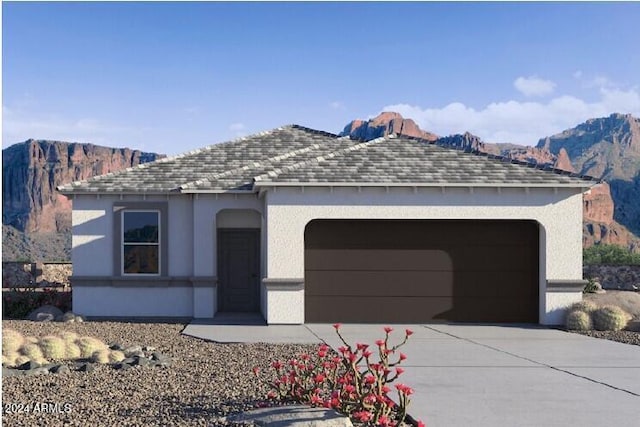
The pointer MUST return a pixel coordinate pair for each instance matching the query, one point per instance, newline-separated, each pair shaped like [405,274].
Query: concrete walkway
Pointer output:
[488,375]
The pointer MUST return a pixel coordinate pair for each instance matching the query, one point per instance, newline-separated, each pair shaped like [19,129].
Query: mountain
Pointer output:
[384,124]
[607,148]
[36,218]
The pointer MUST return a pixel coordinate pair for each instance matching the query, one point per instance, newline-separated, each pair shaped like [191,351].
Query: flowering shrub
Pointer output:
[17,303]
[353,381]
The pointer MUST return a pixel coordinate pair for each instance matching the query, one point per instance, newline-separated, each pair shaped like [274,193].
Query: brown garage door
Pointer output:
[396,271]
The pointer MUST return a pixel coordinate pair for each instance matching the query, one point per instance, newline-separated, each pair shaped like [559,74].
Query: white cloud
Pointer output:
[337,105]
[534,86]
[521,122]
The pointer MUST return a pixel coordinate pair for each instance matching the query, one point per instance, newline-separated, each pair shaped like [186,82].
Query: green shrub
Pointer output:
[101,356]
[584,305]
[609,255]
[71,350]
[116,356]
[68,336]
[20,360]
[32,351]
[11,340]
[578,320]
[610,318]
[9,358]
[89,345]
[19,302]
[53,347]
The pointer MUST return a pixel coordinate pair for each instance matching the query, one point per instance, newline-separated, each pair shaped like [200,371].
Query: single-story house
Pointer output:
[306,226]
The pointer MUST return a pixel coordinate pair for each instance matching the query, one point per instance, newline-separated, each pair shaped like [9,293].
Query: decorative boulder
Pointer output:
[46,313]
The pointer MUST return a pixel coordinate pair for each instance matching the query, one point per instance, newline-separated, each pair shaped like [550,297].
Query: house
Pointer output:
[305,226]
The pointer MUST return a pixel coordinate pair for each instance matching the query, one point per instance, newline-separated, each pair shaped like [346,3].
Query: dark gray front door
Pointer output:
[238,269]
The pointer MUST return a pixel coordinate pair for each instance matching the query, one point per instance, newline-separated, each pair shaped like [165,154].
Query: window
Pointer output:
[141,242]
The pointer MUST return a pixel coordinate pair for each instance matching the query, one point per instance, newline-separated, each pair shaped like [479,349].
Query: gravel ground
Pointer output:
[626,337]
[206,382]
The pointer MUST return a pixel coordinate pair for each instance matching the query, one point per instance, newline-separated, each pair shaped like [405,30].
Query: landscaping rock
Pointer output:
[149,349]
[159,357]
[116,346]
[37,371]
[29,366]
[8,372]
[134,350]
[121,366]
[86,367]
[68,317]
[46,313]
[292,416]
[60,369]
[141,361]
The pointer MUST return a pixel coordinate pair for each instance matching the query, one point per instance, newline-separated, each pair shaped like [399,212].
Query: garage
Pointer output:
[409,271]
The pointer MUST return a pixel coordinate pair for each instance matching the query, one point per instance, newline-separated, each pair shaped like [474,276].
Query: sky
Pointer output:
[172,77]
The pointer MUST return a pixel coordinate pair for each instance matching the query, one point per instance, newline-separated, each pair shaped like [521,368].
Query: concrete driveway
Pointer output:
[490,375]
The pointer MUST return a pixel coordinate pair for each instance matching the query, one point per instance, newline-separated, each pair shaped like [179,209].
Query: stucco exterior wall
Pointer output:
[558,213]
[191,252]
[107,301]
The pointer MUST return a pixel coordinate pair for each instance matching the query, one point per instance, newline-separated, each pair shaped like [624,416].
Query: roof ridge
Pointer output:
[502,158]
[317,159]
[192,152]
[256,164]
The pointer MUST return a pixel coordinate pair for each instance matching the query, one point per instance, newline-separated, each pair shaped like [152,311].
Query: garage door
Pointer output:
[388,271]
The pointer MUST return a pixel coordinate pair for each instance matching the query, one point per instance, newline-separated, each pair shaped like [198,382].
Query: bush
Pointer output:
[101,356]
[9,358]
[584,305]
[32,351]
[578,320]
[89,345]
[352,382]
[609,255]
[68,336]
[19,302]
[71,350]
[116,356]
[11,341]
[53,347]
[610,318]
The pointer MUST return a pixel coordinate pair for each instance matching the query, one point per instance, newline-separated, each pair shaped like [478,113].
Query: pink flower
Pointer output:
[388,329]
[380,343]
[318,378]
[366,353]
[408,332]
[362,416]
[276,365]
[337,326]
[402,356]
[256,371]
[421,424]
[369,379]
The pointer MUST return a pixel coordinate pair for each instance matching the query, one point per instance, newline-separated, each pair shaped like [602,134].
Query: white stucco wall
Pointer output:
[559,215]
[107,301]
[191,251]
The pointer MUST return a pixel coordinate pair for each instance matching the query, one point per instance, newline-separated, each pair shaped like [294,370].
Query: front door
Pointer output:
[238,269]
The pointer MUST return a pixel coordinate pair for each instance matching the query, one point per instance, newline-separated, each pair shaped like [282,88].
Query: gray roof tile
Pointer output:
[294,154]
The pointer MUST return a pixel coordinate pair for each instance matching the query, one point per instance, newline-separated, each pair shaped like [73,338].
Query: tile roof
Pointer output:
[295,155]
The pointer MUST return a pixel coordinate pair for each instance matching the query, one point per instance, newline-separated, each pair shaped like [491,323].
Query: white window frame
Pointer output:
[123,244]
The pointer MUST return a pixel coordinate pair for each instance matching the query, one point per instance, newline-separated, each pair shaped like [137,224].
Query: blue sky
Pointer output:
[170,77]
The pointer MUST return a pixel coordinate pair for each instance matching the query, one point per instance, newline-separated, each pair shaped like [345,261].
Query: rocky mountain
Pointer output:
[36,218]
[607,148]
[384,124]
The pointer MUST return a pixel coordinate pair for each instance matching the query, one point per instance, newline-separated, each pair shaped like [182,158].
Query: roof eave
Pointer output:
[266,184]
